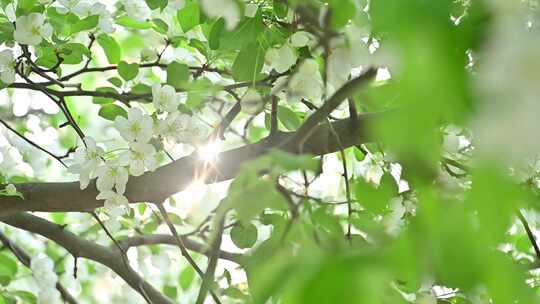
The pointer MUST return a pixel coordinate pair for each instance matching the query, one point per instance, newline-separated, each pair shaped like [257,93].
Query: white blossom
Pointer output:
[43,271]
[281,59]
[49,296]
[31,29]
[136,128]
[228,9]
[105,22]
[251,10]
[10,190]
[252,102]
[69,5]
[7,67]
[165,98]
[139,157]
[87,160]
[137,9]
[148,54]
[307,82]
[114,202]
[300,39]
[112,175]
[181,128]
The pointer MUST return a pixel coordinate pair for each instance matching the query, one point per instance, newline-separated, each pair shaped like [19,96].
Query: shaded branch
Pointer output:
[80,247]
[25,259]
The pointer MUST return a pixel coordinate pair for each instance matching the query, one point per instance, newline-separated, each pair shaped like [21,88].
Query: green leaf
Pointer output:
[46,57]
[244,236]
[104,100]
[117,82]
[160,26]
[110,111]
[128,22]
[170,291]
[280,8]
[8,269]
[25,296]
[215,33]
[342,11]
[128,71]
[85,24]
[141,89]
[155,4]
[186,277]
[177,74]
[248,64]
[111,48]
[189,16]
[288,118]
[72,53]
[376,198]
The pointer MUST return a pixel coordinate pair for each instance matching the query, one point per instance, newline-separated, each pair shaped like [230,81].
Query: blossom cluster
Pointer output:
[46,279]
[138,130]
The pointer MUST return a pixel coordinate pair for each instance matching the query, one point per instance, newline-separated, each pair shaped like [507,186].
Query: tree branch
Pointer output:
[80,247]
[24,258]
[176,176]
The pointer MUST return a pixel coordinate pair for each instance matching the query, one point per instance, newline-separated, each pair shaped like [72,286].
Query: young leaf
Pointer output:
[215,34]
[244,236]
[110,111]
[177,74]
[111,48]
[189,16]
[288,118]
[249,63]
[128,71]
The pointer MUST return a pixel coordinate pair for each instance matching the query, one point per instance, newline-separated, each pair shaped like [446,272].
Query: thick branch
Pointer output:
[24,258]
[80,247]
[176,176]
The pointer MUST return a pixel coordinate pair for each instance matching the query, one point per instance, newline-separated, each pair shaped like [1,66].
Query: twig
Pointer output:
[33,144]
[182,247]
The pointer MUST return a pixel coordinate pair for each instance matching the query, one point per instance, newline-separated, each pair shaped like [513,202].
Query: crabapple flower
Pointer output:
[165,98]
[280,59]
[181,128]
[114,202]
[251,103]
[49,296]
[10,189]
[300,39]
[307,82]
[148,54]
[105,22]
[112,175]
[251,10]
[136,128]
[139,157]
[228,9]
[43,271]
[31,29]
[7,67]
[137,9]
[87,160]
[70,5]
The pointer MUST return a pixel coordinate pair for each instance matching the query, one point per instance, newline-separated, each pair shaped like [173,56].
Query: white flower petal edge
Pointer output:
[137,127]
[31,29]
[252,102]
[228,9]
[7,67]
[165,98]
